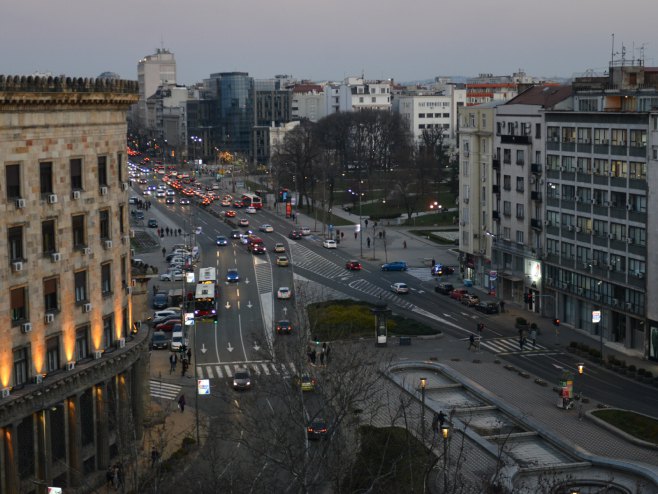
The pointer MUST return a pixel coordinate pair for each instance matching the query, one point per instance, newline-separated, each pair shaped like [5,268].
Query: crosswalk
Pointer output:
[305,258]
[164,390]
[263,271]
[505,346]
[262,368]
[423,274]
[381,293]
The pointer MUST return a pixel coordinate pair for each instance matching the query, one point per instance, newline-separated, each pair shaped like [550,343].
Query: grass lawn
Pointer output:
[636,425]
[435,219]
[344,319]
[392,459]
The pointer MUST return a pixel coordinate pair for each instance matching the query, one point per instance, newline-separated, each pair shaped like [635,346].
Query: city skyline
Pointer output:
[308,40]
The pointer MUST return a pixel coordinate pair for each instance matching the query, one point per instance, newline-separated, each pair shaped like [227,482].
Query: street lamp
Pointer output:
[423,383]
[445,430]
[358,194]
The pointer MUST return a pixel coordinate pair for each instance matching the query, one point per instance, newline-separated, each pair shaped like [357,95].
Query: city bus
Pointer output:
[204,301]
[252,200]
[208,276]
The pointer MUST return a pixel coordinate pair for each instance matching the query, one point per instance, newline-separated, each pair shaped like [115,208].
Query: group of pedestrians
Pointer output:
[322,356]
[523,339]
[185,359]
[114,476]
[169,232]
[142,204]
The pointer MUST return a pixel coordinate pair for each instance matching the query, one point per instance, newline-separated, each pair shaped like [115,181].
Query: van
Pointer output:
[177,340]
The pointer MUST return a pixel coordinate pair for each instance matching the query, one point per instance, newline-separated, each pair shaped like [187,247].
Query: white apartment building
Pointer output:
[424,111]
[356,94]
[152,72]
[308,102]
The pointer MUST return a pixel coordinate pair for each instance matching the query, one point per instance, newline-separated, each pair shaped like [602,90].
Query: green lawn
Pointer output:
[636,425]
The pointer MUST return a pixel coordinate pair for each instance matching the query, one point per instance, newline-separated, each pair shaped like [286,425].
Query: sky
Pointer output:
[325,40]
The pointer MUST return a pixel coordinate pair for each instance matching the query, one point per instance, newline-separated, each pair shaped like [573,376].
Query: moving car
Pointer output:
[159,340]
[444,288]
[168,325]
[282,261]
[250,210]
[440,270]
[400,288]
[235,233]
[221,240]
[329,244]
[283,327]
[353,265]
[283,293]
[266,228]
[138,215]
[279,248]
[152,223]
[295,235]
[305,382]
[488,307]
[183,201]
[258,248]
[305,230]
[243,222]
[395,266]
[317,429]
[225,203]
[458,293]
[231,214]
[242,379]
[232,275]
[160,301]
[170,200]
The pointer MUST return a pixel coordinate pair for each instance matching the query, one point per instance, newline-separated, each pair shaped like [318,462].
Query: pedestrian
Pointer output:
[433,262]
[109,476]
[164,252]
[154,456]
[355,234]
[381,233]
[189,355]
[158,231]
[322,357]
[313,356]
[181,403]
[180,231]
[327,354]
[435,426]
[366,223]
[404,244]
[308,353]
[172,362]
[155,290]
[521,341]
[368,241]
[342,235]
[471,341]
[533,337]
[502,306]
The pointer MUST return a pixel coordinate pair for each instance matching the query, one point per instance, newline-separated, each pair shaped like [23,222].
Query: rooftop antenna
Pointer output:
[612,53]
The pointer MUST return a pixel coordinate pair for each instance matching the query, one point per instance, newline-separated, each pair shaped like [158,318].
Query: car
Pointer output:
[488,307]
[167,325]
[147,192]
[317,429]
[160,300]
[329,244]
[266,228]
[295,235]
[282,261]
[183,201]
[225,203]
[152,223]
[177,340]
[258,248]
[232,275]
[133,200]
[170,200]
[198,230]
[400,288]
[444,288]
[159,340]
[243,222]
[283,293]
[236,233]
[305,230]
[353,265]
[170,311]
[242,379]
[250,210]
[458,293]
[283,327]
[440,270]
[177,259]
[160,193]
[231,213]
[279,248]
[395,266]
[138,215]
[304,382]
[171,192]
[221,240]
[470,300]
[237,204]
[173,275]
[157,320]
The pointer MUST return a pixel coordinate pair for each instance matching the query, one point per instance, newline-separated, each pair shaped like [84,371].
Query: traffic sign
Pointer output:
[596,316]
[203,386]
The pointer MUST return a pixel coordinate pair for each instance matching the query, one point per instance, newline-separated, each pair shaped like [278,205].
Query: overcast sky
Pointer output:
[324,40]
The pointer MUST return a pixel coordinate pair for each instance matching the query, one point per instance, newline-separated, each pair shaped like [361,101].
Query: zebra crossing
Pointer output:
[376,291]
[164,390]
[263,270]
[423,274]
[506,346]
[305,258]
[262,368]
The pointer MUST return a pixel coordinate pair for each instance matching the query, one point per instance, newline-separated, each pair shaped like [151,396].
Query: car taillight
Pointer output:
[309,429]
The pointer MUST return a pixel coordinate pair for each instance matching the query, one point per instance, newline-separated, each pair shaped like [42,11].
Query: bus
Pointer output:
[204,301]
[208,276]
[252,200]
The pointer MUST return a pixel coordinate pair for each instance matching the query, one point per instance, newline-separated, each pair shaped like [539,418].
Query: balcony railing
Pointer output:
[514,139]
[536,224]
[536,196]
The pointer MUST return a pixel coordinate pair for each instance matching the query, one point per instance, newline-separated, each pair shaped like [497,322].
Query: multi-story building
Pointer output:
[356,94]
[308,102]
[488,87]
[423,110]
[153,71]
[70,372]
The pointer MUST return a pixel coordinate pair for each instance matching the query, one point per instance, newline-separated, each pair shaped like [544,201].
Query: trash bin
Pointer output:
[468,283]
[405,340]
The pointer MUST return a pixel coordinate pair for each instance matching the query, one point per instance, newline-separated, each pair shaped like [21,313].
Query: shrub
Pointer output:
[521,321]
[622,364]
[648,374]
[641,371]
[632,368]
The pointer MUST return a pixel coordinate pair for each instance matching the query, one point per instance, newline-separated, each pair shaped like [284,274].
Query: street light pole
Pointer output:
[444,432]
[423,383]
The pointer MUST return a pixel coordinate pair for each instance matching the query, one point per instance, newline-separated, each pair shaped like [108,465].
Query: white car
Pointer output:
[177,341]
[266,228]
[305,230]
[198,230]
[250,210]
[174,275]
[400,288]
[329,244]
[284,293]
[160,193]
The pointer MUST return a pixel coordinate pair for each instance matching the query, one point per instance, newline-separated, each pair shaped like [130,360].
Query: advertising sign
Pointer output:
[203,386]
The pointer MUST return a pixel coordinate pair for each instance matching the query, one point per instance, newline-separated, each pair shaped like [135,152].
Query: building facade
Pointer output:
[153,71]
[70,370]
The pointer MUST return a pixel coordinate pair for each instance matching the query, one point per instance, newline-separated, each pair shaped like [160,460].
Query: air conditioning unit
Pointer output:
[70,366]
[465,200]
[611,236]
[532,179]
[50,318]
[20,203]
[462,223]
[26,327]
[561,168]
[107,244]
[611,267]
[97,354]
[629,240]
[122,342]
[132,233]
[86,308]
[615,302]
[606,203]
[129,290]
[103,191]
[55,257]
[581,291]
[629,206]
[125,239]
[75,195]
[5,392]
[570,228]
[17,266]
[547,223]
[577,199]
[86,251]
[52,199]
[594,201]
[629,305]
[549,281]
[124,186]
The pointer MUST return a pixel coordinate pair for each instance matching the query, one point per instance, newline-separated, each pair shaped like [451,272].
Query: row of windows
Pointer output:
[434,115]
[22,356]
[598,166]
[602,228]
[600,136]
[596,257]
[372,100]
[47,176]
[19,297]
[613,199]
[49,227]
[433,126]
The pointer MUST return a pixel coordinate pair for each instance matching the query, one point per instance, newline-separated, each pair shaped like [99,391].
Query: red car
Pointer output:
[237,204]
[353,265]
[230,213]
[167,325]
[458,293]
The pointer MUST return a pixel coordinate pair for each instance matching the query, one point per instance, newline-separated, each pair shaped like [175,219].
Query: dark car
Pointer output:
[160,301]
[221,240]
[295,235]
[159,340]
[353,265]
[283,327]
[317,429]
[487,307]
[258,249]
[242,379]
[138,215]
[235,233]
[153,223]
[444,288]
[440,270]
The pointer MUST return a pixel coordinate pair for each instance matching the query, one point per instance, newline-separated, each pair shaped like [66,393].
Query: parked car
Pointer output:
[353,265]
[242,379]
[329,244]
[488,307]
[305,382]
[395,266]
[161,300]
[174,275]
[458,293]
[159,340]
[167,325]
[157,320]
[177,341]
[470,300]
[152,223]
[400,288]
[440,270]
[444,288]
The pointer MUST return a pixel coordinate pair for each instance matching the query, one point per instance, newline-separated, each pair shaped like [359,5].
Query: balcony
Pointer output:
[536,224]
[495,189]
[536,168]
[514,139]
[536,196]
[496,163]
[495,215]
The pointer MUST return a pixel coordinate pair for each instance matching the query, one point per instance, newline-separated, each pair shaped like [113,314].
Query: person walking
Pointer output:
[521,341]
[404,244]
[533,337]
[471,341]
[181,403]
[502,306]
[172,362]
[189,355]
[327,352]
[164,252]
[435,426]
[355,235]
[368,241]
[154,456]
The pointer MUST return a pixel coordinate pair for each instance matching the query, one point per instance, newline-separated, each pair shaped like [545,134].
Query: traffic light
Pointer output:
[556,322]
[528,298]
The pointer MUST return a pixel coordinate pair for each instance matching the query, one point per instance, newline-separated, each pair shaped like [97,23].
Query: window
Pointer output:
[568,134]
[636,267]
[108,332]
[618,137]
[104,223]
[637,170]
[21,361]
[81,342]
[568,251]
[360,99]
[506,232]
[50,299]
[52,354]
[584,165]
[520,213]
[552,161]
[618,168]
[601,136]
[507,208]
[600,228]
[567,164]
[48,236]
[507,182]
[18,305]
[587,104]
[80,281]
[121,213]
[600,166]
[637,235]
[584,135]
[421,115]
[638,138]
[106,277]
[46,177]
[519,236]
[507,156]
[120,166]
[520,184]
[553,134]
[538,131]
[76,174]
[78,227]
[13,178]
[520,158]
[102,171]
[15,243]
[618,231]
[373,99]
